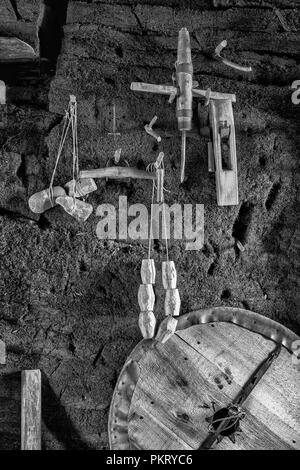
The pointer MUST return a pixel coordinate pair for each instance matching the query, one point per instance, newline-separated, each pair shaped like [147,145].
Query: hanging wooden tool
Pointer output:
[184,90]
[146,297]
[224,366]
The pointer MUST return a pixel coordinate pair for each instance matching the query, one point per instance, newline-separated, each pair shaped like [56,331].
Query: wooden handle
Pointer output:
[160,185]
[172,302]
[118,172]
[146,297]
[148,272]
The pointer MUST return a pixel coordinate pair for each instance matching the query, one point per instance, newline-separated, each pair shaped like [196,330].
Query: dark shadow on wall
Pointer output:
[50,28]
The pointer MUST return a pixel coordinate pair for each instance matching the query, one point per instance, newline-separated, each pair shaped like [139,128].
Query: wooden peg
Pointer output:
[169,275]
[148,271]
[147,322]
[146,297]
[41,201]
[78,209]
[172,302]
[166,329]
[83,187]
[2,353]
[31,410]
[160,184]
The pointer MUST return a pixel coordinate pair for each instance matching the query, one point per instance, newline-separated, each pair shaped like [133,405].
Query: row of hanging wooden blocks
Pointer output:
[146,299]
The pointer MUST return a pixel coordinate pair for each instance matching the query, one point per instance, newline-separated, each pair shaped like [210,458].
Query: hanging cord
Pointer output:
[66,126]
[152,167]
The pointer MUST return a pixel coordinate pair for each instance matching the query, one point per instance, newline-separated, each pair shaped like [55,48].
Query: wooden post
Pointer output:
[31,410]
[2,353]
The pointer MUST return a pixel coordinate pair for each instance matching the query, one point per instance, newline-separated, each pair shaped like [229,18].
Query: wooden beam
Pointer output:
[31,410]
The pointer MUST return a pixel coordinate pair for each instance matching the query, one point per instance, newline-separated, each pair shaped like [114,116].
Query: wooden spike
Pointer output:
[83,187]
[160,185]
[172,302]
[169,275]
[166,329]
[79,210]
[31,406]
[148,271]
[2,353]
[147,322]
[41,202]
[146,297]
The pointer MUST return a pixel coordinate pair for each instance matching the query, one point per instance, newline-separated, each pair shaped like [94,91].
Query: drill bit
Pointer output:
[183,145]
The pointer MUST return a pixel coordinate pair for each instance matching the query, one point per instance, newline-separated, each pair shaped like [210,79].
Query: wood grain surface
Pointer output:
[205,366]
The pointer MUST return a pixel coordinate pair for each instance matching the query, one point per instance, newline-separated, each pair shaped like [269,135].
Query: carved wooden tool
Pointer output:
[31,410]
[172,302]
[184,91]
[146,299]
[222,150]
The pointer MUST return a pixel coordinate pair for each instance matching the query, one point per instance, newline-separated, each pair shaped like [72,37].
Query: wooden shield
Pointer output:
[166,393]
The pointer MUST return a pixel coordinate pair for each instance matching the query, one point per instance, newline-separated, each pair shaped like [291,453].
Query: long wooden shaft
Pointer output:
[117,172]
[31,410]
[214,95]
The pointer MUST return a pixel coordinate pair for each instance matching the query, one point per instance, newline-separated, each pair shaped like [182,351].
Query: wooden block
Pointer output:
[166,329]
[80,210]
[224,153]
[148,271]
[146,297]
[147,322]
[83,187]
[169,275]
[31,410]
[41,202]
[172,302]
[2,353]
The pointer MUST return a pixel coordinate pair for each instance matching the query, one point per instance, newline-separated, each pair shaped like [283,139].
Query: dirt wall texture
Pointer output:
[68,301]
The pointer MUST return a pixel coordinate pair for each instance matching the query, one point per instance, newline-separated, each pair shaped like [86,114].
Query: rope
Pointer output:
[64,133]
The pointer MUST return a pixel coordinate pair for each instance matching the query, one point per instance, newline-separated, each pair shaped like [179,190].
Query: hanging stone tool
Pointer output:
[146,299]
[184,91]
[43,200]
[83,187]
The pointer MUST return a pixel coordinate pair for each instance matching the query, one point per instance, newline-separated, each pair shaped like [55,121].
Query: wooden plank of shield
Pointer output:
[31,410]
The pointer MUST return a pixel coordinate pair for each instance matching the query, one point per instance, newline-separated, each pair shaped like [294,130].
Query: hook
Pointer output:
[233,65]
